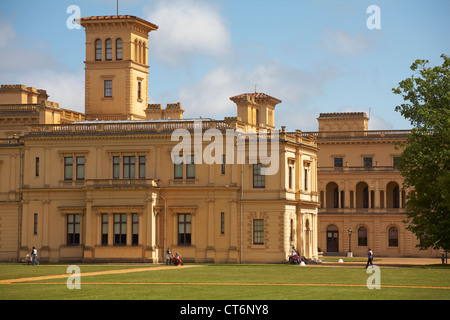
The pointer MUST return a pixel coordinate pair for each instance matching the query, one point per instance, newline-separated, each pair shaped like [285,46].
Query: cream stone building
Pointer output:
[104,185]
[361,189]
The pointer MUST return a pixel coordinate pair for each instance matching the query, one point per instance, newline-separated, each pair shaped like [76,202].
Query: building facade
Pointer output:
[106,185]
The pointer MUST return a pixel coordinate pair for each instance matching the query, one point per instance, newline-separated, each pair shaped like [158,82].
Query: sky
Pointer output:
[317,56]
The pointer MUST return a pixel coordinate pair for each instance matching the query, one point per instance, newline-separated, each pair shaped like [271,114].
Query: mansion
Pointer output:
[103,186]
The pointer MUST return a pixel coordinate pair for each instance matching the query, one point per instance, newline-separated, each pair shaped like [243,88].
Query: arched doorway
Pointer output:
[332,239]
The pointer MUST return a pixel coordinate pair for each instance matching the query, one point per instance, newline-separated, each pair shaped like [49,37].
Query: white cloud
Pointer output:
[343,43]
[188,29]
[66,88]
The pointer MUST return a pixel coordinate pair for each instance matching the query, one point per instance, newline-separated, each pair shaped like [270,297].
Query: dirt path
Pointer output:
[87,274]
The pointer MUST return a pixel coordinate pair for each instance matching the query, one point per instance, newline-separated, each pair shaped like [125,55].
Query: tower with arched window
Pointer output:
[116,67]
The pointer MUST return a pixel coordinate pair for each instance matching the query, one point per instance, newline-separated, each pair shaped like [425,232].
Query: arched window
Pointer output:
[393,237]
[108,46]
[362,237]
[98,50]
[119,49]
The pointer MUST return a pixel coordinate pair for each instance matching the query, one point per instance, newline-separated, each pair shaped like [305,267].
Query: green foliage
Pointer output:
[425,161]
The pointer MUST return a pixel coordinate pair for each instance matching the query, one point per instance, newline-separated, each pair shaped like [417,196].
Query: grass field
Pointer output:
[222,282]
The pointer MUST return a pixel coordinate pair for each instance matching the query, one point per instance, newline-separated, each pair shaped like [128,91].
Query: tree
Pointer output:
[425,161]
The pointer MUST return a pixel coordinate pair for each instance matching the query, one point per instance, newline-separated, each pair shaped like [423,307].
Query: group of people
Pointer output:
[173,259]
[295,259]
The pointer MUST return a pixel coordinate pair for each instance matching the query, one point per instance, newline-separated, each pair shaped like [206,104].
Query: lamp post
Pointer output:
[350,254]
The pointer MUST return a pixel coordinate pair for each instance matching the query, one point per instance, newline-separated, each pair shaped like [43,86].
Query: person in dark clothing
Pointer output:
[370,258]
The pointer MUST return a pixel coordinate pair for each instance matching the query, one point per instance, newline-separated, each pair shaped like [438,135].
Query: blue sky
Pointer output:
[316,56]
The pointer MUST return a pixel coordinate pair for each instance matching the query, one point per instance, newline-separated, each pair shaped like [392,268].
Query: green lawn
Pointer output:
[229,282]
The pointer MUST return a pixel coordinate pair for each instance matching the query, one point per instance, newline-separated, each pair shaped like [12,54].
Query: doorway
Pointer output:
[332,239]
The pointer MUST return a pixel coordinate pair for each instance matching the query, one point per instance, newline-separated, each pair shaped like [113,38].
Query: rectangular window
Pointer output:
[139,90]
[120,229]
[367,161]
[291,172]
[68,168]
[259,178]
[135,230]
[105,219]
[73,229]
[116,167]
[178,167]
[223,164]
[80,168]
[338,162]
[141,167]
[35,224]
[190,167]
[258,231]
[184,229]
[129,167]
[396,161]
[222,223]
[37,167]
[108,88]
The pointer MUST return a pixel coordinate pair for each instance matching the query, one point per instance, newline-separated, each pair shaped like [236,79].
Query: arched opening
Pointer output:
[393,195]
[332,195]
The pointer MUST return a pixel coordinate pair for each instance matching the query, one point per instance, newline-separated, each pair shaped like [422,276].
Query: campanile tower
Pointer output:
[116,67]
